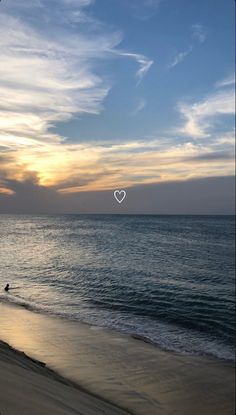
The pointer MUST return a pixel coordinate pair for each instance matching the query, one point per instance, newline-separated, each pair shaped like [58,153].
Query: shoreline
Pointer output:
[113,330]
[15,358]
[115,367]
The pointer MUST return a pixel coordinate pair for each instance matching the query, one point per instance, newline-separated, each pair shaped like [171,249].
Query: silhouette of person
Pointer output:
[7,288]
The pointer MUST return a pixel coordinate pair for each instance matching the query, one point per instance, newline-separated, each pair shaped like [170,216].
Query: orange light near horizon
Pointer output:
[5,191]
[87,167]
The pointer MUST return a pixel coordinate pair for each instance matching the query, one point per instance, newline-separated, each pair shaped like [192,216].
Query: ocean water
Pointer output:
[168,279]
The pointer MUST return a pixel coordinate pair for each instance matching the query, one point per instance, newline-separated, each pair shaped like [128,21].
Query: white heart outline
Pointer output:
[119,192]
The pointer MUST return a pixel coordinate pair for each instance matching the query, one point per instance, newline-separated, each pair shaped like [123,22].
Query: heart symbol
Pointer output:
[119,195]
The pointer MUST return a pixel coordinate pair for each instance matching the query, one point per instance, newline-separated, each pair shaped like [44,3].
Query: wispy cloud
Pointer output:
[180,56]
[139,107]
[228,81]
[70,168]
[45,79]
[199,32]
[201,116]
[49,76]
[144,63]
[48,73]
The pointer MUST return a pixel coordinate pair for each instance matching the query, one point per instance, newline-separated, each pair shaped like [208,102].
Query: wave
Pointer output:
[165,279]
[19,301]
[160,334]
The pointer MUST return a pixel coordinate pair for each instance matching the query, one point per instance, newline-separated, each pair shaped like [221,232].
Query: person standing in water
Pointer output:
[7,288]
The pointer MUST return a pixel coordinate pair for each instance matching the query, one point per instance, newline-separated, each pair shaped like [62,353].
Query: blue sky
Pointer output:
[204,30]
[115,93]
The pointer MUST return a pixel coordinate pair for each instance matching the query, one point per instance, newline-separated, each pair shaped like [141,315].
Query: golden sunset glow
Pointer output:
[50,84]
[73,168]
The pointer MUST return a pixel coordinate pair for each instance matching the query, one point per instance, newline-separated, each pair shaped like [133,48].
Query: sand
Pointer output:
[116,367]
[27,387]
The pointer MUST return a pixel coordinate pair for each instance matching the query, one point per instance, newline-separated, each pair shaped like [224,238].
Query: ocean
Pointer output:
[166,279]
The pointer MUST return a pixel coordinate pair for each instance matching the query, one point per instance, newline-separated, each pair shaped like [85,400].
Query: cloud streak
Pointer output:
[180,57]
[71,168]
[200,117]
[226,82]
[47,79]
[43,81]
[143,62]
[139,107]
[199,32]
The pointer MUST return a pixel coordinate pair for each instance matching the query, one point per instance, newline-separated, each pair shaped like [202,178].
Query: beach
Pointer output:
[117,207]
[28,387]
[123,371]
[131,313]
[167,279]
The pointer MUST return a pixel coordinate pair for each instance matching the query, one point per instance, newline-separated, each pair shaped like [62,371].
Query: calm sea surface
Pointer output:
[169,279]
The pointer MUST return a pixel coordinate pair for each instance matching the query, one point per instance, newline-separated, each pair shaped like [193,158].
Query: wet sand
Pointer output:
[28,387]
[126,371]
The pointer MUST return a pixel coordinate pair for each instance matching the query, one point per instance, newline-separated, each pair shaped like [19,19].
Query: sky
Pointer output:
[98,95]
